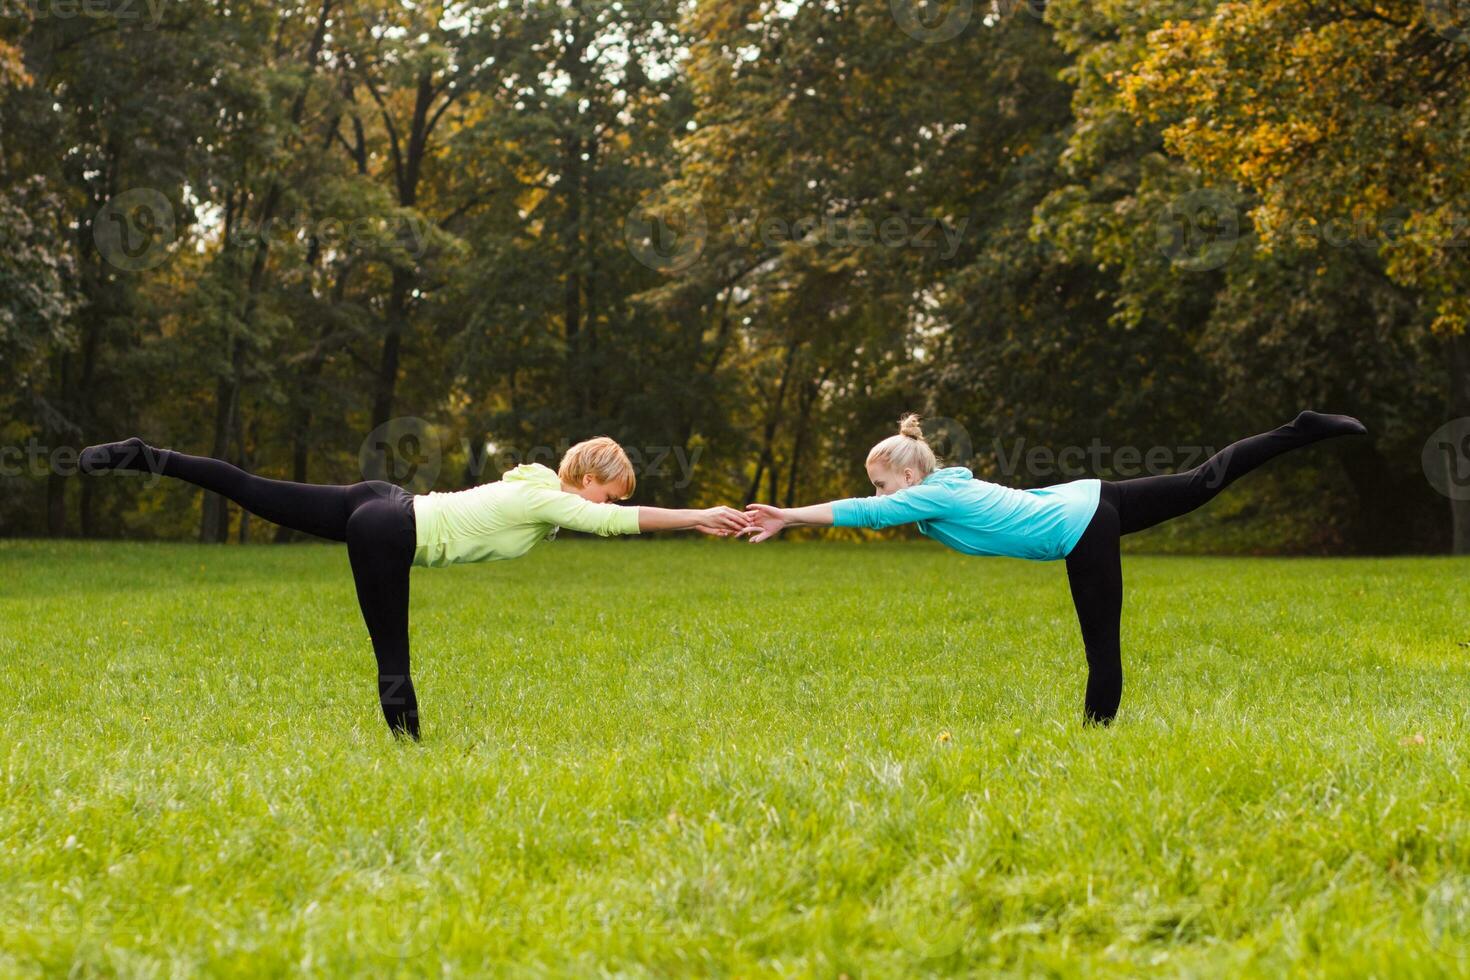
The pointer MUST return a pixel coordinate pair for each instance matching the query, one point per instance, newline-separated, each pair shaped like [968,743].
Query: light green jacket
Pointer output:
[508,518]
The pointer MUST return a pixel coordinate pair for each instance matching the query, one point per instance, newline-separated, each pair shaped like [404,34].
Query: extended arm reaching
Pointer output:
[916,503]
[572,512]
[767,521]
[719,521]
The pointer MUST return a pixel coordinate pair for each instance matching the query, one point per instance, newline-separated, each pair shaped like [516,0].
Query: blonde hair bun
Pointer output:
[907,450]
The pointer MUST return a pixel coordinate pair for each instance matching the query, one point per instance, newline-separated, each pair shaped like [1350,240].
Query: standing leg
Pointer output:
[318,510]
[1095,574]
[1151,500]
[380,546]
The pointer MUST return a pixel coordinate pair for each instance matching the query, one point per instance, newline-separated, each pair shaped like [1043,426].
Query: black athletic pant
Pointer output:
[1095,571]
[375,519]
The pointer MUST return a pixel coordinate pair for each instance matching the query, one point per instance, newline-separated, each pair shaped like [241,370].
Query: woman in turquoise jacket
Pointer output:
[1079,522]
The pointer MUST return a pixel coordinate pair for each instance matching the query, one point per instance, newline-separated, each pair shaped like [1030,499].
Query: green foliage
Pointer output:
[746,235]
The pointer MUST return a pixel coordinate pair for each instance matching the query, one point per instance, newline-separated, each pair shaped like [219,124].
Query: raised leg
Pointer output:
[321,510]
[1150,500]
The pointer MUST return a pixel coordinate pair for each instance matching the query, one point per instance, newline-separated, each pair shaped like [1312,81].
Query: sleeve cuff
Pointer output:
[629,521]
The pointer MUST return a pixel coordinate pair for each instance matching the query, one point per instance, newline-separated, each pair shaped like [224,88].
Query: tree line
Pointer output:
[329,240]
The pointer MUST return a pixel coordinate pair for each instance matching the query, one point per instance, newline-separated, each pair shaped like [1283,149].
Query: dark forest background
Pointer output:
[334,239]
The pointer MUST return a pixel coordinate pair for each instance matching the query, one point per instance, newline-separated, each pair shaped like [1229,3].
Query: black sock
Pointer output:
[1320,426]
[130,454]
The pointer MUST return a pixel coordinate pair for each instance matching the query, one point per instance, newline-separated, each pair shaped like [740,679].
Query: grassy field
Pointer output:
[711,758]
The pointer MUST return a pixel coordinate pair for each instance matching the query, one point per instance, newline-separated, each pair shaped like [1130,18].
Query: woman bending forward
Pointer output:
[1079,522]
[387,529]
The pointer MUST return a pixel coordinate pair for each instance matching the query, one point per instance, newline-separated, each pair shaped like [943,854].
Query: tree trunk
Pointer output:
[572,291]
[302,412]
[809,392]
[408,168]
[87,405]
[214,523]
[56,505]
[1459,364]
[1394,505]
[773,422]
[55,482]
[242,453]
[387,380]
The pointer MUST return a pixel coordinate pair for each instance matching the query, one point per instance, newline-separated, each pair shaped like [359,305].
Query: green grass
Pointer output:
[709,758]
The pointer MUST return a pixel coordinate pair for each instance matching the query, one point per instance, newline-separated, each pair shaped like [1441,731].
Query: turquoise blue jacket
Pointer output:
[980,518]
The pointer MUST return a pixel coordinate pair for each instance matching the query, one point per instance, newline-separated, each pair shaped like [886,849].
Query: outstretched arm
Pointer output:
[572,512]
[917,503]
[767,521]
[719,521]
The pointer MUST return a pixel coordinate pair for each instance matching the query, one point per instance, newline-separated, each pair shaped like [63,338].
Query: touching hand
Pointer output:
[722,522]
[765,522]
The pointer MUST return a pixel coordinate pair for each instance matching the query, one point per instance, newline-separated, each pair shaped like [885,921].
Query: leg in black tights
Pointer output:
[1095,575]
[374,518]
[1094,569]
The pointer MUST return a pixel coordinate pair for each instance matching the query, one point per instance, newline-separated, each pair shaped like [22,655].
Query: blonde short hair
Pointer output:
[601,457]
[907,450]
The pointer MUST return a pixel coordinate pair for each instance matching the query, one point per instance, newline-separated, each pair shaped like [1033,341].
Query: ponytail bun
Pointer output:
[907,450]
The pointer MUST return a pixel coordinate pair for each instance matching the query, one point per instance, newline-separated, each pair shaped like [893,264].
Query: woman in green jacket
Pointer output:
[387,529]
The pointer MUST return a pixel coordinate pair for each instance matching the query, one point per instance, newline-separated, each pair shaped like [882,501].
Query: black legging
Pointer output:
[1094,568]
[375,519]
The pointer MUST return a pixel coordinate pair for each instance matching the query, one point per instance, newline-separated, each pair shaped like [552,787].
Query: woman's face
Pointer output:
[887,480]
[601,493]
